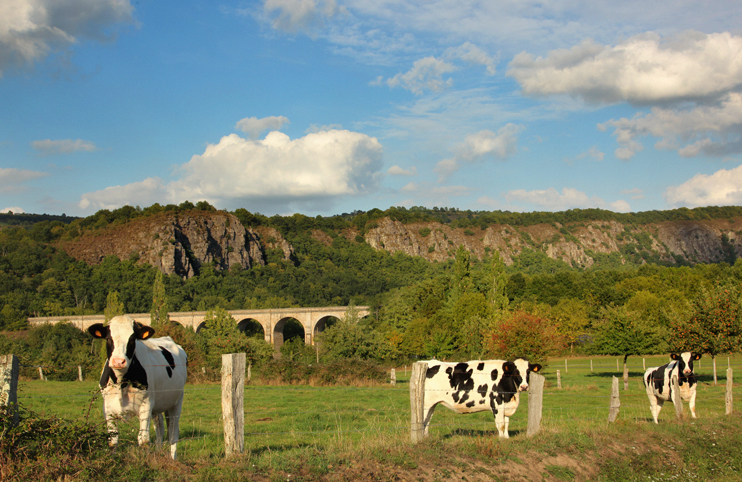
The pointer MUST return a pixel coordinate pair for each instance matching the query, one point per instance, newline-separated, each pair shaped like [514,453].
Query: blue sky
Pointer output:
[324,107]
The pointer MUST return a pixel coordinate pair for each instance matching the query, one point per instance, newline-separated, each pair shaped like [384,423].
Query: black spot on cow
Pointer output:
[471,404]
[657,378]
[482,390]
[170,361]
[480,367]
[460,377]
[494,374]
[432,371]
[107,375]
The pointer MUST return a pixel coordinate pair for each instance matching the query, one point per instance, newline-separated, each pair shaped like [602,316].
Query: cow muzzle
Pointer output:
[686,372]
[118,363]
[523,388]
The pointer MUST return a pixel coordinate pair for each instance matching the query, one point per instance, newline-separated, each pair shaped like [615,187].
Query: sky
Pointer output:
[323,107]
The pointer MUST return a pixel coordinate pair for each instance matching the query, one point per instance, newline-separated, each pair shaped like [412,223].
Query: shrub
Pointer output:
[525,335]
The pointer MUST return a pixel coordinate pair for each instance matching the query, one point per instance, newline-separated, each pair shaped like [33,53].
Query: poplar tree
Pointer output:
[159,314]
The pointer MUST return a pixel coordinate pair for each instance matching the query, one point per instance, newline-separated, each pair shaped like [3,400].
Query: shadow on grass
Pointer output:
[640,375]
[279,448]
[466,432]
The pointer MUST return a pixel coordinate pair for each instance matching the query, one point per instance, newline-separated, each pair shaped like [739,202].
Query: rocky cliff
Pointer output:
[578,244]
[180,243]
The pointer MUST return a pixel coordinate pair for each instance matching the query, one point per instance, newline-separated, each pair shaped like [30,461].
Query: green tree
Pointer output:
[714,325]
[522,334]
[159,312]
[498,295]
[114,306]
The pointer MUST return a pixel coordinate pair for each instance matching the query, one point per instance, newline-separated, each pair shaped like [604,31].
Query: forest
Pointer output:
[461,309]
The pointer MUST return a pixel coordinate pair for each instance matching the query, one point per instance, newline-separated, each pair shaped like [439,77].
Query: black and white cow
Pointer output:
[659,381]
[476,386]
[143,376]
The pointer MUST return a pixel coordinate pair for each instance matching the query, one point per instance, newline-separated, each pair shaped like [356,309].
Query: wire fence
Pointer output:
[296,415]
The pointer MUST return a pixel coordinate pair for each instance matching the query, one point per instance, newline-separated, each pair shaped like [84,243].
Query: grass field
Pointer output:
[341,433]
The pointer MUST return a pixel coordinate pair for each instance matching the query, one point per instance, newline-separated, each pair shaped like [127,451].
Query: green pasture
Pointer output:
[293,418]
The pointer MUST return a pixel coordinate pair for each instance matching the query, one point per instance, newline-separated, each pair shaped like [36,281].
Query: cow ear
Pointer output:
[98,330]
[696,356]
[143,332]
[675,356]
[508,367]
[535,367]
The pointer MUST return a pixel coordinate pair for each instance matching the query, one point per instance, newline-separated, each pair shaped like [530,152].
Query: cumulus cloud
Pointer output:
[299,15]
[14,210]
[276,170]
[253,127]
[645,69]
[30,30]
[722,188]
[398,171]
[592,153]
[426,73]
[472,54]
[12,179]
[712,130]
[62,146]
[484,144]
[552,200]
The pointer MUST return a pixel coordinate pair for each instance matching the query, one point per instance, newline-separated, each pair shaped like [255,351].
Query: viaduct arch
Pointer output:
[272,321]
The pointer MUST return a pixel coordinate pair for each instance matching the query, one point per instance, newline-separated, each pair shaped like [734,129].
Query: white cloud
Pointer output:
[722,188]
[472,54]
[552,200]
[62,146]
[426,73]
[253,127]
[644,69]
[14,210]
[30,30]
[712,130]
[398,171]
[12,179]
[484,144]
[592,153]
[635,193]
[276,170]
[299,15]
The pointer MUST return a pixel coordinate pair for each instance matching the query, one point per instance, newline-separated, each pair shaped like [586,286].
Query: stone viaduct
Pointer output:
[272,321]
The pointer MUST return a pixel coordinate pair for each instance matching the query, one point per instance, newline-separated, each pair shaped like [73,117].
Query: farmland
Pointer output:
[300,432]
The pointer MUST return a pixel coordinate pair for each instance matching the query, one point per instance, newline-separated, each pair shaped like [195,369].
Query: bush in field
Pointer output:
[221,336]
[523,334]
[350,338]
[621,331]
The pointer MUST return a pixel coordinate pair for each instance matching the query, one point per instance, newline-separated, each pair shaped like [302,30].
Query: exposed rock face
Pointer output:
[179,243]
[707,241]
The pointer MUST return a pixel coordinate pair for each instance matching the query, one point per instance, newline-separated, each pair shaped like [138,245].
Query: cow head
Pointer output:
[524,368]
[121,334]
[685,361]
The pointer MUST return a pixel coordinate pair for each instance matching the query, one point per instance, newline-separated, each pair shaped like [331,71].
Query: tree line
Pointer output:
[461,309]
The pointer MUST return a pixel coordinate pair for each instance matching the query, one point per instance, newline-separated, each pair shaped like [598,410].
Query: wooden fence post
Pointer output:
[559,380]
[417,400]
[79,373]
[393,377]
[615,402]
[249,371]
[728,397]
[233,394]
[41,375]
[565,366]
[591,365]
[676,400]
[644,364]
[9,369]
[625,376]
[535,403]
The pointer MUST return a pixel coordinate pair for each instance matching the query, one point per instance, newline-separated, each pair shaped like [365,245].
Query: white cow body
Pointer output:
[660,380]
[476,386]
[142,377]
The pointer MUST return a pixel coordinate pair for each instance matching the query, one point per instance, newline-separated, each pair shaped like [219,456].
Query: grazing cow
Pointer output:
[659,381]
[143,376]
[476,386]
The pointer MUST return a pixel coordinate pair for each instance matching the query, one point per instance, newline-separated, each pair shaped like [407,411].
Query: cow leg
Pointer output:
[427,415]
[145,419]
[692,404]
[173,427]
[501,422]
[113,432]
[159,430]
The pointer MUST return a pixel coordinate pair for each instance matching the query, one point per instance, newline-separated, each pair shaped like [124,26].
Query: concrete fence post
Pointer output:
[676,400]
[393,380]
[535,403]
[625,376]
[233,394]
[79,373]
[615,402]
[417,400]
[559,380]
[728,398]
[9,369]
